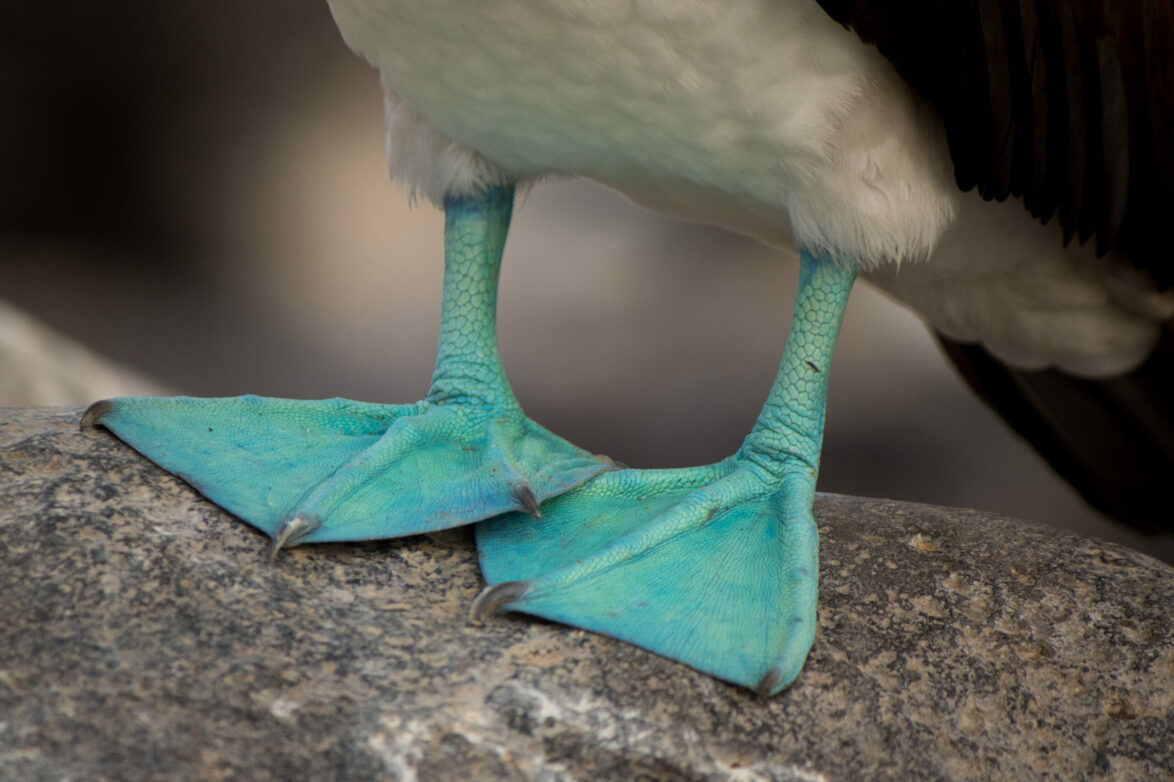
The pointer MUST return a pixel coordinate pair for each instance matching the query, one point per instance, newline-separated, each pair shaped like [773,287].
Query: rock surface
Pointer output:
[141,636]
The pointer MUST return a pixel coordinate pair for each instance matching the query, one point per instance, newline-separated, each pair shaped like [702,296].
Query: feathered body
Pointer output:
[767,110]
[931,160]
[764,116]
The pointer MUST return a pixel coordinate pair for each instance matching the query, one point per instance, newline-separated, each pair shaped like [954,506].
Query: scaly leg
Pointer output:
[714,566]
[309,471]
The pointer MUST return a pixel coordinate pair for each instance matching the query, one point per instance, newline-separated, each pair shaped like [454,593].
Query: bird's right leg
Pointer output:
[310,471]
[715,566]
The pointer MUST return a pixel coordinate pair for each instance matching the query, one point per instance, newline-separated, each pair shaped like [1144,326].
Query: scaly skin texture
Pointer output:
[468,366]
[715,566]
[789,432]
[307,471]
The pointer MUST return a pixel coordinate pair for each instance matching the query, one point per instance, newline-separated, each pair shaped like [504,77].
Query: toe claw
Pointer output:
[768,682]
[493,598]
[94,413]
[293,528]
[526,496]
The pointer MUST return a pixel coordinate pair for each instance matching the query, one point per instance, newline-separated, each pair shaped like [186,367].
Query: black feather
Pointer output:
[1113,440]
[1070,105]
[1067,103]
[1115,143]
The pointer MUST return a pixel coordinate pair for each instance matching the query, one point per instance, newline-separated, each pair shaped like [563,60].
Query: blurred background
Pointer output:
[194,199]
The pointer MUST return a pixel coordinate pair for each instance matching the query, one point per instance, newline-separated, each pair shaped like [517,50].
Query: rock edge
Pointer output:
[141,636]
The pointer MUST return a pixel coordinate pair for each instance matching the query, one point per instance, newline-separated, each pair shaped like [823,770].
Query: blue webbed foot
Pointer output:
[715,567]
[332,470]
[342,470]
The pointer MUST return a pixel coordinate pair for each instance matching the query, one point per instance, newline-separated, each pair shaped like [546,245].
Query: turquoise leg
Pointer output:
[308,471]
[714,566]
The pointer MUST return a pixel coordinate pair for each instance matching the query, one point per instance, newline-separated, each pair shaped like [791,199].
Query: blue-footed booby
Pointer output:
[1001,166]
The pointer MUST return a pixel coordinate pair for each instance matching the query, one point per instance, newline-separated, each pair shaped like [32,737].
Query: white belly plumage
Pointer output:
[766,108]
[763,116]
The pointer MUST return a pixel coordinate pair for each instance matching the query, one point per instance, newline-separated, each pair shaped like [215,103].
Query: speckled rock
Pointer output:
[141,636]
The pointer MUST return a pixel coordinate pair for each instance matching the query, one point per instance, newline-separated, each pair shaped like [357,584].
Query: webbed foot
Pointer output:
[715,567]
[342,470]
[310,471]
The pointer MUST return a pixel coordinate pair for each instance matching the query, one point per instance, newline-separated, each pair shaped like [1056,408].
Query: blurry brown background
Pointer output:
[198,191]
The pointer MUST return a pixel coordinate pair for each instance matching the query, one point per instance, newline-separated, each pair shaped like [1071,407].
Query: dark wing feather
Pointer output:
[1066,103]
[1113,439]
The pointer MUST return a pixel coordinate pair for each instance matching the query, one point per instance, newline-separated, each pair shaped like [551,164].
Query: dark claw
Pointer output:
[769,682]
[293,528]
[94,413]
[494,597]
[526,496]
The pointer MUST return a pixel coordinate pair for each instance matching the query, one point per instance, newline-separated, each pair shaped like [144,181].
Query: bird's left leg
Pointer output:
[335,469]
[714,566]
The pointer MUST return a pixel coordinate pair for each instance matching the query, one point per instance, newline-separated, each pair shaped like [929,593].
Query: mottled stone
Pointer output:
[142,636]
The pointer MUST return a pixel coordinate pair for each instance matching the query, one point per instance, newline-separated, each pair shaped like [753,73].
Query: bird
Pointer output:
[999,166]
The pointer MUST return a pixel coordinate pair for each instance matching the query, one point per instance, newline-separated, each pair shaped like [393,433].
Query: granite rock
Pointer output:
[142,636]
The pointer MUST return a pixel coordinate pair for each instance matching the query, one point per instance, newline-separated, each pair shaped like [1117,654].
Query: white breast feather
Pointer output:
[763,116]
[766,102]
